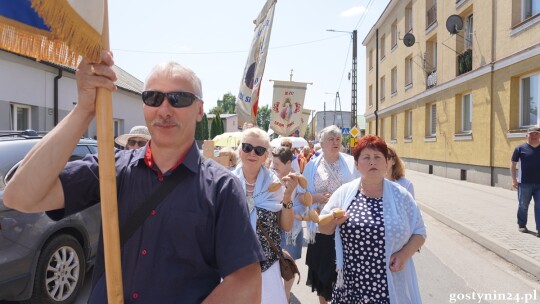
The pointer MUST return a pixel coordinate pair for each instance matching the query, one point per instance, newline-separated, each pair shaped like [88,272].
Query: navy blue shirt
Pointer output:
[529,163]
[197,235]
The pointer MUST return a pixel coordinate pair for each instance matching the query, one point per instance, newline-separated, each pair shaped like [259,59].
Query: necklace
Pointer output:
[250,184]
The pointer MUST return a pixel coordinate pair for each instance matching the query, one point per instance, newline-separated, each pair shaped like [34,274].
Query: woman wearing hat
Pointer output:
[138,137]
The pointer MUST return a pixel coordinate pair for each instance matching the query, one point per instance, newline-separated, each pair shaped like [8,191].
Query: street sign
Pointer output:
[355,132]
[345,131]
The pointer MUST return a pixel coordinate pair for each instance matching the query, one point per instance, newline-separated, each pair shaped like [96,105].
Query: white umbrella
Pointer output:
[297,142]
[228,139]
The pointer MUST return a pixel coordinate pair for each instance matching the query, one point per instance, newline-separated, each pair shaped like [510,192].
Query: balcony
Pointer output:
[464,62]
[431,16]
[431,79]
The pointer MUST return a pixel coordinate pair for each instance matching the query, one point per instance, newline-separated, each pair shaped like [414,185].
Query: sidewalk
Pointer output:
[485,214]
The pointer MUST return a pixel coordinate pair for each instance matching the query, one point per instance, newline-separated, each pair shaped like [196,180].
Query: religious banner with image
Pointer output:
[247,100]
[304,122]
[287,106]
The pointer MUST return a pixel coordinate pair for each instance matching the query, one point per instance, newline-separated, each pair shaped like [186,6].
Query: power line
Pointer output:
[344,66]
[363,15]
[220,52]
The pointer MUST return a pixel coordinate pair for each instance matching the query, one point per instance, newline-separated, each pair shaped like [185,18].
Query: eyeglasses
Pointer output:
[247,148]
[133,142]
[176,99]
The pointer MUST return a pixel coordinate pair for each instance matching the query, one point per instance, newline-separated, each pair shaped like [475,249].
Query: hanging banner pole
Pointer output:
[107,186]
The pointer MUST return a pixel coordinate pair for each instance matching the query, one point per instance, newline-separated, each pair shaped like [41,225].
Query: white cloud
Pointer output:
[353,11]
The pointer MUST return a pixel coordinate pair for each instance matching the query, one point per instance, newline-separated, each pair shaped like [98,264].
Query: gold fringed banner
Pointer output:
[28,41]
[70,27]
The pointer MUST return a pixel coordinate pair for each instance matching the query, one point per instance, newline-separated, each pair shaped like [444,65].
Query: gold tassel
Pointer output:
[68,26]
[28,41]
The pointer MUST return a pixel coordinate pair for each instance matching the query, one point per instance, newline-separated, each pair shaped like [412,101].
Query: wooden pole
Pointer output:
[107,185]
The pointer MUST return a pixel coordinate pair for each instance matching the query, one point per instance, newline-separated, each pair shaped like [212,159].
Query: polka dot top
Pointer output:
[363,253]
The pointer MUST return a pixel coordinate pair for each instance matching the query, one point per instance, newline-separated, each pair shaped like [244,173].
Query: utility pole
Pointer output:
[335,110]
[324,115]
[353,87]
[354,74]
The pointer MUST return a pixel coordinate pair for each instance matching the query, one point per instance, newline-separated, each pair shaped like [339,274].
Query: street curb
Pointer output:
[513,256]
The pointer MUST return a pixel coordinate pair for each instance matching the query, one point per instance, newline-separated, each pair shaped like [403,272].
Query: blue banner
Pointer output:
[21,11]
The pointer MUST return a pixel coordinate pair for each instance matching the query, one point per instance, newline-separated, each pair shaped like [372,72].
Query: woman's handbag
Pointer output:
[287,265]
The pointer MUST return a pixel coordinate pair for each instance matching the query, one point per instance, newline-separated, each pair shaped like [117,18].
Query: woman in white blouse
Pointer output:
[324,174]
[378,235]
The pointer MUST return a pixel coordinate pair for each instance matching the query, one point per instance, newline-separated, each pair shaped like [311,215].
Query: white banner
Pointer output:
[287,105]
[304,121]
[247,100]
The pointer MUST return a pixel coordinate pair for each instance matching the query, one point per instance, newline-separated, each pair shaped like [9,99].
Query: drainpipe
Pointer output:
[491,92]
[55,99]
[377,82]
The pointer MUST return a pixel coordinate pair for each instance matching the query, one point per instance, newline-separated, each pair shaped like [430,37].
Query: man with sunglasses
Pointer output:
[197,245]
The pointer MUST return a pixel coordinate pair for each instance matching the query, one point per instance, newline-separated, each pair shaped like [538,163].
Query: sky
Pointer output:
[213,39]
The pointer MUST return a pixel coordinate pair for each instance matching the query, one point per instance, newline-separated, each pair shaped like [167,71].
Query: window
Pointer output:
[382,48]
[430,58]
[393,85]
[529,96]
[408,18]
[370,59]
[468,32]
[408,71]
[431,12]
[116,127]
[432,120]
[408,124]
[466,113]
[393,133]
[529,8]
[394,34]
[21,117]
[370,96]
[383,85]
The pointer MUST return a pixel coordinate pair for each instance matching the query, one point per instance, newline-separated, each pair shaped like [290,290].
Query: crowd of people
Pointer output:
[213,238]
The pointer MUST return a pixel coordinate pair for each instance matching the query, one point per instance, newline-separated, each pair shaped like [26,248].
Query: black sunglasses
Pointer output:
[176,99]
[133,142]
[247,148]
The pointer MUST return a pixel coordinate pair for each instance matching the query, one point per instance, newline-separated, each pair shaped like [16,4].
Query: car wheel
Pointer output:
[60,271]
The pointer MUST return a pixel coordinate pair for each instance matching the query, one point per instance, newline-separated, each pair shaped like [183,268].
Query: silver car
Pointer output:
[43,261]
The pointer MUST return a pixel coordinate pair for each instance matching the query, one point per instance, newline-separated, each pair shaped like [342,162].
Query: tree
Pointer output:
[216,127]
[215,110]
[263,117]
[219,123]
[204,127]
[226,105]
[199,130]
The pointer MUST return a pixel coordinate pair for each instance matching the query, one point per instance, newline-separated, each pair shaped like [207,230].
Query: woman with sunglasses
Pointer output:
[325,174]
[378,235]
[270,210]
[137,137]
[396,171]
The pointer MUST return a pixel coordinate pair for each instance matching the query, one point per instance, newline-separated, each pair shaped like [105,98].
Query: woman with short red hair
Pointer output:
[376,238]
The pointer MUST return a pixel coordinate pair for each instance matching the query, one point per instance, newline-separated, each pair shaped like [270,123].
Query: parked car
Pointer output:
[43,261]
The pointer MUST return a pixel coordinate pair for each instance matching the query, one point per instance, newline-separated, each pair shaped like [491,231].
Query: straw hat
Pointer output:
[137,131]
